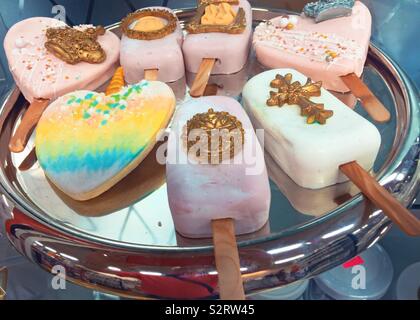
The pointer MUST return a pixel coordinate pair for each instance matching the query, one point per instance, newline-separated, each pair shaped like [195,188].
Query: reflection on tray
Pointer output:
[229,85]
[142,181]
[179,88]
[309,201]
[347,98]
[189,242]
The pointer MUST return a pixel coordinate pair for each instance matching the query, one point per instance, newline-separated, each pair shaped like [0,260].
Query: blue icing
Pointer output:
[90,161]
[328,9]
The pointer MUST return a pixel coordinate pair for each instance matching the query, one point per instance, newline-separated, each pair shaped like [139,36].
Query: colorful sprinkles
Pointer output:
[97,110]
[314,45]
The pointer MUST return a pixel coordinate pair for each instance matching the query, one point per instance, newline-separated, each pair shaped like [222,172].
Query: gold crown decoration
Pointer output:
[296,93]
[210,125]
[149,35]
[73,45]
[237,26]
[117,82]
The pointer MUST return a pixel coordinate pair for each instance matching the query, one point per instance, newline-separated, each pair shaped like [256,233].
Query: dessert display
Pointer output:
[49,59]
[218,40]
[323,51]
[296,114]
[152,40]
[86,142]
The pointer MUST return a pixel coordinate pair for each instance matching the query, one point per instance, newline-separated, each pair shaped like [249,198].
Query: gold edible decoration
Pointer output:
[218,14]
[315,112]
[74,46]
[296,93]
[147,24]
[170,27]
[220,125]
[237,26]
[116,83]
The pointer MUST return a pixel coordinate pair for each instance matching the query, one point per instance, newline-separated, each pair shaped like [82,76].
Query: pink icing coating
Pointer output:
[231,50]
[200,193]
[164,54]
[39,74]
[304,47]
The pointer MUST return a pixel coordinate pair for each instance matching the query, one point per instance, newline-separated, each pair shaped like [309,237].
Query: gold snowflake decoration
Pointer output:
[223,132]
[289,92]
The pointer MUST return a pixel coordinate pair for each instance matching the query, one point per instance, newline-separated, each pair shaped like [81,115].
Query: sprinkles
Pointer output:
[97,110]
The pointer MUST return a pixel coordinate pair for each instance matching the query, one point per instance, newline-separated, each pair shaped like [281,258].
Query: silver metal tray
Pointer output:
[124,242]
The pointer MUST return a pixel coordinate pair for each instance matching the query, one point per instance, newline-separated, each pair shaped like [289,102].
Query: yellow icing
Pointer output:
[218,14]
[56,135]
[147,24]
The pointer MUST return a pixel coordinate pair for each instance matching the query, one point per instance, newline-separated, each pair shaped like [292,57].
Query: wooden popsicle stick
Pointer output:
[227,260]
[202,78]
[369,101]
[29,120]
[211,90]
[382,198]
[151,74]
[3,282]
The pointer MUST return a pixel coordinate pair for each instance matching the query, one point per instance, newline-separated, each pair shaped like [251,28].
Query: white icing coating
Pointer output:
[310,153]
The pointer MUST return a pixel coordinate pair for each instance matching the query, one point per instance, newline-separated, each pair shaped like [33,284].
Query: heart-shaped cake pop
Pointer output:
[86,142]
[40,74]
[323,51]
